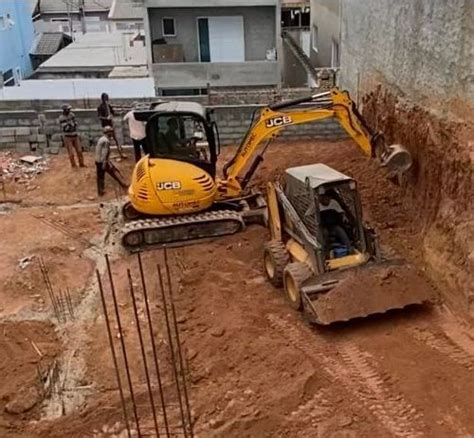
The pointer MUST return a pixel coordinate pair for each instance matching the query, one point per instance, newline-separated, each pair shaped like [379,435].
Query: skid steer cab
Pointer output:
[323,254]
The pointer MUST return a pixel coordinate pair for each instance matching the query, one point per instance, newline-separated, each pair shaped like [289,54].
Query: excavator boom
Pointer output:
[331,104]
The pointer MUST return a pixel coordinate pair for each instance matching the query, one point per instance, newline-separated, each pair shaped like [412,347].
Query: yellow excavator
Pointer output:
[176,197]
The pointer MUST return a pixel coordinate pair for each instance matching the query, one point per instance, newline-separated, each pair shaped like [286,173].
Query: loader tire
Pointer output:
[275,258]
[294,275]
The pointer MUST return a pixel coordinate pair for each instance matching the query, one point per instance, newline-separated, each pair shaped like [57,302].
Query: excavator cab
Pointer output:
[182,131]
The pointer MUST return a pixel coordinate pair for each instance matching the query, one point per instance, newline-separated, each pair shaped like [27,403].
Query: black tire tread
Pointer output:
[299,272]
[280,257]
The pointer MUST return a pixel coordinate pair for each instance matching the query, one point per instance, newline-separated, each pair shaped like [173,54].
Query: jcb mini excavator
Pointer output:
[175,196]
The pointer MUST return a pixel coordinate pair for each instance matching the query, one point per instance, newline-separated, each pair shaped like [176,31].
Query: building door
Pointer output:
[203,33]
[221,39]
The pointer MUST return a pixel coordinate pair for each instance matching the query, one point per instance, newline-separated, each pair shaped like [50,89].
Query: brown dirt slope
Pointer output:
[27,350]
[439,191]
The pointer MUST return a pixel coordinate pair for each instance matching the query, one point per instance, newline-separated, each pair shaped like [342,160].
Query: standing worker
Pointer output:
[103,163]
[68,123]
[106,112]
[137,133]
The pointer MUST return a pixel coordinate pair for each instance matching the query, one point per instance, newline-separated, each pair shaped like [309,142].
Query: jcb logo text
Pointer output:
[168,185]
[278,121]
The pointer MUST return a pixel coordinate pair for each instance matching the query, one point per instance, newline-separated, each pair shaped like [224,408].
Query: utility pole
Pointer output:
[82,16]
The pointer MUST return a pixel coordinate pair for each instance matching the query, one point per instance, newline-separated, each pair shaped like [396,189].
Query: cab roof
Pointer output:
[180,107]
[144,113]
[318,174]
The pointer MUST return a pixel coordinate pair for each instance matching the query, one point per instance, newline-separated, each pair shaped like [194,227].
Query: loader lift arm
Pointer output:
[273,119]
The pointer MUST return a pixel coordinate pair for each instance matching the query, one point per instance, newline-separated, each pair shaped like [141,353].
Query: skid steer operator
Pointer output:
[332,222]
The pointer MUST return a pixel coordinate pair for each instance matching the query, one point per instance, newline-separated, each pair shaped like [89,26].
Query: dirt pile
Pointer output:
[371,289]
[28,352]
[438,195]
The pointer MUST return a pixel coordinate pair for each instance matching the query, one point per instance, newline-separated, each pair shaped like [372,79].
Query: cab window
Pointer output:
[180,136]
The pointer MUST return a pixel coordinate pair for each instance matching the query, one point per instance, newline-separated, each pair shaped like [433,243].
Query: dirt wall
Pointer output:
[439,190]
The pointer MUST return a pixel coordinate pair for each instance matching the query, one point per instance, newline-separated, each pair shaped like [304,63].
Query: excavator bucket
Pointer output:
[396,158]
[363,291]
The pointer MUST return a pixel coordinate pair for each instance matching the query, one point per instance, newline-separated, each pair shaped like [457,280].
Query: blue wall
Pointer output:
[17,39]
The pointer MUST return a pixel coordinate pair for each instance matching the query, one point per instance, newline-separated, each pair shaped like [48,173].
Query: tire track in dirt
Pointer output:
[390,406]
[356,374]
[440,342]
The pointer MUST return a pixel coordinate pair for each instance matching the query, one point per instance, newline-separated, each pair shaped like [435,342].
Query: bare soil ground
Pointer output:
[256,368]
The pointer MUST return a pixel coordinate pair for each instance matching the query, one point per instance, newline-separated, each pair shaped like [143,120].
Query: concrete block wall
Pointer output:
[32,131]
[89,128]
[22,130]
[40,131]
[234,120]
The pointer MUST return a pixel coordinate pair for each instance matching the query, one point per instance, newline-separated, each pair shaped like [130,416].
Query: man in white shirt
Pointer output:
[137,133]
[328,203]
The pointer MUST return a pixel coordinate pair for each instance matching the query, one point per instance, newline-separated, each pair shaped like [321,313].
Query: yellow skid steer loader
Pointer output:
[328,261]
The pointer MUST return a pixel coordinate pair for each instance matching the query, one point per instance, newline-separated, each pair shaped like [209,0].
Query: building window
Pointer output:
[295,17]
[8,78]
[335,54]
[169,29]
[314,37]
[305,17]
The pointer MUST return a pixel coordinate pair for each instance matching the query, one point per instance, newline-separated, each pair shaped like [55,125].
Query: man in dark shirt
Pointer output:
[171,136]
[68,123]
[106,112]
[103,164]
[332,220]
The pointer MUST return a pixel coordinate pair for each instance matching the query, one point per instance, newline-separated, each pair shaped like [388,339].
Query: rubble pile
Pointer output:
[21,169]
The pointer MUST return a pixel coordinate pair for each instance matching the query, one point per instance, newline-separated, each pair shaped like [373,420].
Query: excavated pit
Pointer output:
[256,369]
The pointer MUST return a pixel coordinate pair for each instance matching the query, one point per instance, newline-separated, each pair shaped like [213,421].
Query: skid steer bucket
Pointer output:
[363,291]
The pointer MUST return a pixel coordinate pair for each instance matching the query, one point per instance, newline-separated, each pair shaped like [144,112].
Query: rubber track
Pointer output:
[192,219]
[356,374]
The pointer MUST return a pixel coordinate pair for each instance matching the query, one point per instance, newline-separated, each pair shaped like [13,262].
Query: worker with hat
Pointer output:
[103,163]
[71,139]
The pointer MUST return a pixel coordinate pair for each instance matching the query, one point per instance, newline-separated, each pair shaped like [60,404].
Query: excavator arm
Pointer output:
[276,117]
